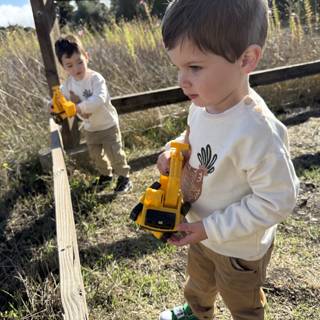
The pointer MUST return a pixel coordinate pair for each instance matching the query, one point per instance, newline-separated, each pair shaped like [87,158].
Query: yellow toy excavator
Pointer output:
[61,107]
[161,208]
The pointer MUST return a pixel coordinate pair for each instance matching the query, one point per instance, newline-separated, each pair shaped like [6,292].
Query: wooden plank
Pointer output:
[71,283]
[47,28]
[150,99]
[270,76]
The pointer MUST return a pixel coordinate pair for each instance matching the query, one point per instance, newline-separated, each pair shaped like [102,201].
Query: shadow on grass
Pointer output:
[292,291]
[18,241]
[129,248]
[144,161]
[17,254]
[301,117]
[27,182]
[306,162]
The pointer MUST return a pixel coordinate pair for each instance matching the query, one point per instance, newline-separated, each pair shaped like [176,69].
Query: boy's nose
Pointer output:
[183,80]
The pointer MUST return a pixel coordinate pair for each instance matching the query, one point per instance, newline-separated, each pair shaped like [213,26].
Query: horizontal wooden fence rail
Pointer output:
[161,97]
[71,284]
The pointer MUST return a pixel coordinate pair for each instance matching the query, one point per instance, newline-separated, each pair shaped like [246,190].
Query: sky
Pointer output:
[18,12]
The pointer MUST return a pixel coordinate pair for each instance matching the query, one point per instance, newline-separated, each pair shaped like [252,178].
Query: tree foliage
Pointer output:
[95,15]
[159,7]
[124,9]
[92,14]
[65,12]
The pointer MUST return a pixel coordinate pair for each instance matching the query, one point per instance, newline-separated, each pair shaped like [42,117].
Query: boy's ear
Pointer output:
[250,58]
[86,54]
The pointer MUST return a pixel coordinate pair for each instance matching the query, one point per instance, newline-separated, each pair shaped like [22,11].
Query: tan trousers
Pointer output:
[238,282]
[106,151]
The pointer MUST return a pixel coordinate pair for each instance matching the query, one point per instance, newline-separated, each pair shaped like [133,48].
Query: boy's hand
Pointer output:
[81,114]
[163,163]
[74,98]
[190,233]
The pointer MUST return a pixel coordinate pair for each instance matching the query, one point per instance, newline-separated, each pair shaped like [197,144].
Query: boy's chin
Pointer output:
[199,103]
[79,77]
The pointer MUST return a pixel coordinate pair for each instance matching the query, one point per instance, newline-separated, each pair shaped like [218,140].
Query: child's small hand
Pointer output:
[163,163]
[82,114]
[86,115]
[190,233]
[74,98]
[78,111]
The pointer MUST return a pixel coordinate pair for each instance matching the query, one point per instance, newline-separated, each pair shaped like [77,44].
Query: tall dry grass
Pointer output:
[132,59]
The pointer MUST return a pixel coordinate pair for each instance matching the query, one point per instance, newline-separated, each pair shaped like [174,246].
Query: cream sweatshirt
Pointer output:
[95,99]
[239,178]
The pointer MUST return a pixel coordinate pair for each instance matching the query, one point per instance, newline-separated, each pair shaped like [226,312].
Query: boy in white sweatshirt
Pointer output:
[238,176]
[87,88]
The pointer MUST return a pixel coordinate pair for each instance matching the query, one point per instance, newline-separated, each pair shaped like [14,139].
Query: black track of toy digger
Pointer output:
[56,117]
[185,207]
[136,211]
[138,208]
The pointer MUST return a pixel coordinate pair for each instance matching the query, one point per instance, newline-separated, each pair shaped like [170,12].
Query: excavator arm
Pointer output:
[161,207]
[61,107]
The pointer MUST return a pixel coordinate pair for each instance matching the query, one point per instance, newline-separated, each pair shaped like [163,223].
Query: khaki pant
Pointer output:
[238,282]
[106,152]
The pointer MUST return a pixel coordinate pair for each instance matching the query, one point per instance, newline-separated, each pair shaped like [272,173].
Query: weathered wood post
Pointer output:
[46,23]
[71,284]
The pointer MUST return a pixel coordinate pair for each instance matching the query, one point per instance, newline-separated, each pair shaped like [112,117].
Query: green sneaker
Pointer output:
[178,313]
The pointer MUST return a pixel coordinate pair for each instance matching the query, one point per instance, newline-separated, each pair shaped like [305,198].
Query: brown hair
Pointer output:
[223,27]
[68,45]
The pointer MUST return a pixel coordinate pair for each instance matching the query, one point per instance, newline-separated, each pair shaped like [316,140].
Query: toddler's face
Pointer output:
[76,65]
[208,80]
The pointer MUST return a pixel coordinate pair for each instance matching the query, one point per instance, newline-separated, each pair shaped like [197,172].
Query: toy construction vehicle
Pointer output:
[61,107]
[161,208]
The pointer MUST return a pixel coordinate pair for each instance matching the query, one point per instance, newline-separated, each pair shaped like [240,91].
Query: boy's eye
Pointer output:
[80,62]
[195,68]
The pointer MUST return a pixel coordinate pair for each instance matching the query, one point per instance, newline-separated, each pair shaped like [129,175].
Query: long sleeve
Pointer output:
[65,91]
[99,96]
[239,178]
[274,191]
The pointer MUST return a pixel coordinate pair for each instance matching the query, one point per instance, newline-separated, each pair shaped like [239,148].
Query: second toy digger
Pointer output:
[161,208]
[61,107]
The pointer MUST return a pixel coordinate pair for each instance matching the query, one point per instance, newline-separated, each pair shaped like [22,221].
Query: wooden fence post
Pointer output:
[71,284]
[44,14]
